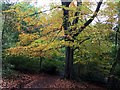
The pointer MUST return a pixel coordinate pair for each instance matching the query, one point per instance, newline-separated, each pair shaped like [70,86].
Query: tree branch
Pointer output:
[90,20]
[83,41]
[36,13]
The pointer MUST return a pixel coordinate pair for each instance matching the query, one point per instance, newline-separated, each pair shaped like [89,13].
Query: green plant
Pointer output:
[52,66]
[7,69]
[23,63]
[93,70]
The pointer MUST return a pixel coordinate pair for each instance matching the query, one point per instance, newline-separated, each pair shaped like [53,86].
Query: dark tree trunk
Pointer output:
[41,59]
[69,63]
[69,50]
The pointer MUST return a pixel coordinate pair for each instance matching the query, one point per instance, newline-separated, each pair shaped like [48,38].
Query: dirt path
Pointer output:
[46,81]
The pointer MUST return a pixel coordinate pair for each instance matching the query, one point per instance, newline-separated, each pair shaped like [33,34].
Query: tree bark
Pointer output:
[69,63]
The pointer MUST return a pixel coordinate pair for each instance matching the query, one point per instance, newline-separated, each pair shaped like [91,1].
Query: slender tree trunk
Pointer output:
[117,58]
[71,63]
[1,23]
[41,59]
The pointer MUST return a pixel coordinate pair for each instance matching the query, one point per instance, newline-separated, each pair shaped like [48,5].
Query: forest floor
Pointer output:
[45,81]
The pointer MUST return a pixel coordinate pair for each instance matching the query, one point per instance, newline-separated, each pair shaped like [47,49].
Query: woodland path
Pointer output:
[46,81]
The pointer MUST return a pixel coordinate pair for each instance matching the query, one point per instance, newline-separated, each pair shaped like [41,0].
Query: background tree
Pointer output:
[9,33]
[117,57]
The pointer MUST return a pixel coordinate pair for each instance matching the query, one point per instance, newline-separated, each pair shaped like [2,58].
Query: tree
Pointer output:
[9,34]
[117,42]
[38,34]
[41,35]
[73,36]
[28,39]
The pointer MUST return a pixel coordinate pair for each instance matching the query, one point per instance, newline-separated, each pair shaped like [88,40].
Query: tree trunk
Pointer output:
[69,63]
[41,59]
[69,50]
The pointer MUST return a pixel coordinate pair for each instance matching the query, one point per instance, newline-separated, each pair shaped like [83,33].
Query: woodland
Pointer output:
[72,45]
